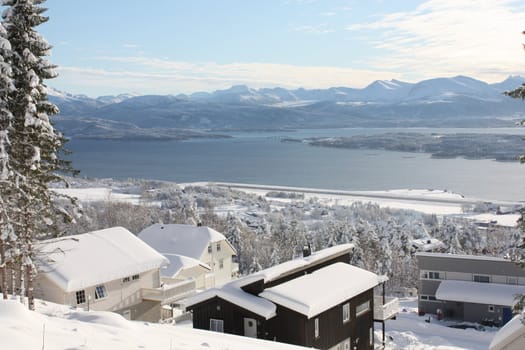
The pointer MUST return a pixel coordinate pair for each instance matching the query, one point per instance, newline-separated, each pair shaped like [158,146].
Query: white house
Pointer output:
[106,270]
[195,252]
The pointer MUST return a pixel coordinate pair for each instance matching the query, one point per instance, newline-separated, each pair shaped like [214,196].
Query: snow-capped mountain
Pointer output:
[508,84]
[452,87]
[440,102]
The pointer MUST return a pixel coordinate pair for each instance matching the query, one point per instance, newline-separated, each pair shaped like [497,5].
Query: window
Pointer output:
[218,246]
[135,277]
[423,297]
[316,328]
[371,337]
[216,325]
[512,280]
[434,275]
[346,312]
[100,292]
[81,297]
[491,308]
[431,298]
[427,297]
[481,278]
[209,249]
[221,263]
[126,279]
[362,308]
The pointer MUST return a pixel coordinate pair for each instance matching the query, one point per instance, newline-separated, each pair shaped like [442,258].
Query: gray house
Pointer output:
[470,288]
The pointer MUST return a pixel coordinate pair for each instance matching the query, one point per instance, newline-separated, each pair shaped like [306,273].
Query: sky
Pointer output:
[108,47]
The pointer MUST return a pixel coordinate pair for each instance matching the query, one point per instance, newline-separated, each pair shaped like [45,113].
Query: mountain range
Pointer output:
[440,102]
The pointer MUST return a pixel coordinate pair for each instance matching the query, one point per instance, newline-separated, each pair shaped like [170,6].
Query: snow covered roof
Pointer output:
[479,293]
[80,261]
[188,240]
[288,267]
[233,293]
[460,256]
[180,262]
[323,289]
[510,336]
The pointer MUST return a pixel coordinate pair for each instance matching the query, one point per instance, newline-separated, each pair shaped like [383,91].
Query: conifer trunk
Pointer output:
[30,288]
[12,278]
[3,268]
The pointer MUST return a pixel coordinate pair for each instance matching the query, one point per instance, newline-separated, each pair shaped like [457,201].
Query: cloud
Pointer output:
[131,46]
[449,37]
[314,29]
[156,76]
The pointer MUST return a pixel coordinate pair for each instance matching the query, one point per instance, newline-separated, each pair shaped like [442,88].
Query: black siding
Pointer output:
[232,315]
[294,328]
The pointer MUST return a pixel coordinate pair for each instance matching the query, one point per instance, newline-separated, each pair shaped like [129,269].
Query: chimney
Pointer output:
[307,251]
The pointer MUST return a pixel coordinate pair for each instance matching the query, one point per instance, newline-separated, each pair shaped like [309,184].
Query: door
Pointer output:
[507,315]
[250,327]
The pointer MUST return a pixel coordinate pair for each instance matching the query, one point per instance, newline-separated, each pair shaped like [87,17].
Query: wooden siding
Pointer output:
[292,327]
[231,314]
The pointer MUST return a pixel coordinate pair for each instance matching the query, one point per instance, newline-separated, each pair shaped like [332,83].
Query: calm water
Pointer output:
[261,158]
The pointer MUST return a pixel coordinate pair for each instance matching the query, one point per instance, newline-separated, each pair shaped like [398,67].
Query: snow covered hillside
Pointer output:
[60,327]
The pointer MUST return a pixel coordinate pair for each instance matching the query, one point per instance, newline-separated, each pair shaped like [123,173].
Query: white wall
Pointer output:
[220,251]
[119,294]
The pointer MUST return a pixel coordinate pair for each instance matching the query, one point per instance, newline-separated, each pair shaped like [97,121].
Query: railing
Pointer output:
[169,293]
[385,311]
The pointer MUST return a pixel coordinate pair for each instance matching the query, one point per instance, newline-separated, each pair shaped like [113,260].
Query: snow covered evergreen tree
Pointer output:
[6,87]
[35,146]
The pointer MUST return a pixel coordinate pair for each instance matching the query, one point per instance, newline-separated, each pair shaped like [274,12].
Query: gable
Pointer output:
[188,240]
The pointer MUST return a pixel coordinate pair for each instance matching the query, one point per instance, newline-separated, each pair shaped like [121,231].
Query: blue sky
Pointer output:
[182,46]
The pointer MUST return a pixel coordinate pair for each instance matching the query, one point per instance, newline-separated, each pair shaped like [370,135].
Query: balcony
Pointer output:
[169,293]
[383,312]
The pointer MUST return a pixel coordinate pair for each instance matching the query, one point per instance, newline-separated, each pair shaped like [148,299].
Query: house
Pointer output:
[106,270]
[194,252]
[469,288]
[319,300]
[511,336]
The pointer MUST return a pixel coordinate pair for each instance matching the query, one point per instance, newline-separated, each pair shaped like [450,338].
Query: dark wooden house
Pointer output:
[317,301]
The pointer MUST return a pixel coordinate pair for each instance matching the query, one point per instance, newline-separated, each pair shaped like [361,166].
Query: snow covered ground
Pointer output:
[410,331]
[97,194]
[62,327]
[428,201]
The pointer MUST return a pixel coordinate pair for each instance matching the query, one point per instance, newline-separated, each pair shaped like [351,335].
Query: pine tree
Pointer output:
[34,144]
[6,87]
[518,92]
